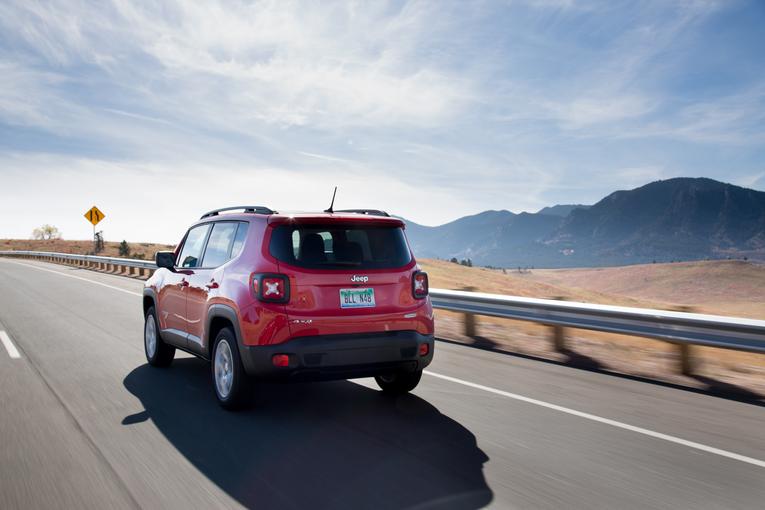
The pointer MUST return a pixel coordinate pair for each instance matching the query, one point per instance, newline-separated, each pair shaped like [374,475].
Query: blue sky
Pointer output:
[158,111]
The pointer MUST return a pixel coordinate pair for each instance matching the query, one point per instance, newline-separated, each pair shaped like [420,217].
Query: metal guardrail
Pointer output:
[677,327]
[143,267]
[681,328]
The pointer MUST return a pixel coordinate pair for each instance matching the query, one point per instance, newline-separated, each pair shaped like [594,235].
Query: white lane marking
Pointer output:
[12,351]
[77,278]
[606,421]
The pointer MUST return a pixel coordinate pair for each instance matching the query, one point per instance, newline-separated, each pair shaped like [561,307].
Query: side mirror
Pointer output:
[165,259]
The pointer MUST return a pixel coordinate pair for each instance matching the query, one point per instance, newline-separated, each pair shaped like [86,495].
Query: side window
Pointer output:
[192,247]
[219,246]
[241,235]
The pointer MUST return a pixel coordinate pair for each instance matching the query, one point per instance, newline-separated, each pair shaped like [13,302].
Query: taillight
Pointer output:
[271,287]
[420,284]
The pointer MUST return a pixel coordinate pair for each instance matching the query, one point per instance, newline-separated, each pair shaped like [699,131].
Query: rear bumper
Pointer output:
[326,357]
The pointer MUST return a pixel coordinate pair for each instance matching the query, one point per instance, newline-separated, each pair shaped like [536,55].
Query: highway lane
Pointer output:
[86,423]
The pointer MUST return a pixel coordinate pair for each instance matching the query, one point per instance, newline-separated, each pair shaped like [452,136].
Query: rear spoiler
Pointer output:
[339,217]
[368,212]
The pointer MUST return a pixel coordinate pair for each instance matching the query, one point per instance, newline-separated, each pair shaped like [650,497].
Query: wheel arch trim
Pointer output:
[225,312]
[150,293]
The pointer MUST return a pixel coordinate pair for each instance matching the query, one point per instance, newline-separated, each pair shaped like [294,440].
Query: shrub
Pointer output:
[124,249]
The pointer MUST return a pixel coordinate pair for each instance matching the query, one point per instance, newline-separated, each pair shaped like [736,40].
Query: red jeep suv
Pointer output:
[304,296]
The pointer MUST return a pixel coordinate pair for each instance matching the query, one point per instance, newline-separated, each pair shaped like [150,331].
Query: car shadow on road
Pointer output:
[322,445]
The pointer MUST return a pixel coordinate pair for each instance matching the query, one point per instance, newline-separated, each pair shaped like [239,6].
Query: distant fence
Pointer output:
[681,328]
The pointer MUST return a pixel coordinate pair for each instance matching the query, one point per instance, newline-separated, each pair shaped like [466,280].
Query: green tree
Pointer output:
[124,249]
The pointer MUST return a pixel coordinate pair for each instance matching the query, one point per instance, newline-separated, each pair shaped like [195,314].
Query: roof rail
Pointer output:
[255,209]
[369,212]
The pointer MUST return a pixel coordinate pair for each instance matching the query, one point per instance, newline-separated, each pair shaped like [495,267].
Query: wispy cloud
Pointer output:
[285,63]
[737,119]
[25,96]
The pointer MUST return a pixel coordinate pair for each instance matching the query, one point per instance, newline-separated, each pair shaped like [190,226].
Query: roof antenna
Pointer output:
[333,202]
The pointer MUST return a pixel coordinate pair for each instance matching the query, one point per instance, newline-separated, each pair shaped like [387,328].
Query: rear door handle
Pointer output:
[212,285]
[184,283]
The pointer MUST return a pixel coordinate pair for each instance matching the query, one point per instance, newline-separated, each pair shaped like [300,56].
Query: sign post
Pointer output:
[94,215]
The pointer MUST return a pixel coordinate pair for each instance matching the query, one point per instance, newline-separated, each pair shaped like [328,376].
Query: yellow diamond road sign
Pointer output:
[94,215]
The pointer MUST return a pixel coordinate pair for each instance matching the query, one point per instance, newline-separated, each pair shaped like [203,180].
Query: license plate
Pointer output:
[357,298]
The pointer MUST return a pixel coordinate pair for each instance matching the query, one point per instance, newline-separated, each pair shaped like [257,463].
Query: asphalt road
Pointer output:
[86,423]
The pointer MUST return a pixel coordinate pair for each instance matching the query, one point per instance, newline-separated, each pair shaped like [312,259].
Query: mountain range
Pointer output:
[675,219]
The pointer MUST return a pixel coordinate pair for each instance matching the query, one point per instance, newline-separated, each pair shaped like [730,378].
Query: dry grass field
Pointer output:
[726,287]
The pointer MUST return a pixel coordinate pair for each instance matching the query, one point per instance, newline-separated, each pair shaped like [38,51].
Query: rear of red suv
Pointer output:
[317,297]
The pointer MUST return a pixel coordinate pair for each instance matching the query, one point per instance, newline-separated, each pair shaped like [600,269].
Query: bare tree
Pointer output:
[46,232]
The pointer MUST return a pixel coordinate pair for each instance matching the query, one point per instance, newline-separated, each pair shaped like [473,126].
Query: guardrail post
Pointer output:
[559,333]
[686,359]
[558,338]
[684,351]
[469,319]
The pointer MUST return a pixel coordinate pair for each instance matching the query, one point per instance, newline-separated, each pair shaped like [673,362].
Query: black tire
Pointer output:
[399,383]
[238,394]
[163,353]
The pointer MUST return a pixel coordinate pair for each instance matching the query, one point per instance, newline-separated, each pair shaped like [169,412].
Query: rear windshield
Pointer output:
[340,246]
